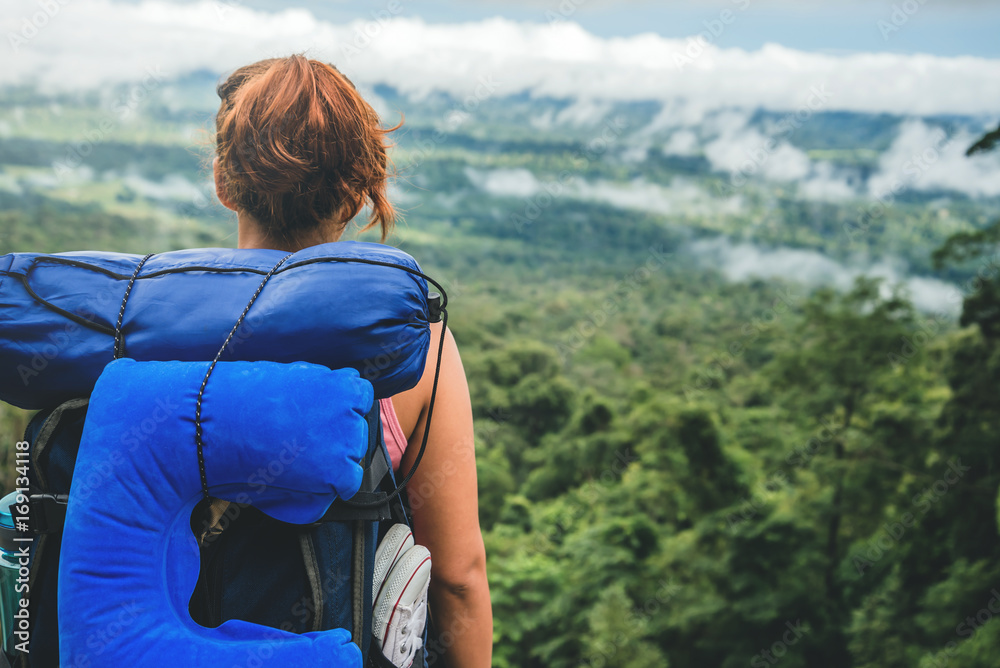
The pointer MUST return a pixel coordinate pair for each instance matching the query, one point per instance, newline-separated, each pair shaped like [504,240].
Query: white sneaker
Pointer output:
[400,612]
[398,539]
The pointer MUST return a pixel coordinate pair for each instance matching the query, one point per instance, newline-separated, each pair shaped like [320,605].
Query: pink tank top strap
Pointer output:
[395,441]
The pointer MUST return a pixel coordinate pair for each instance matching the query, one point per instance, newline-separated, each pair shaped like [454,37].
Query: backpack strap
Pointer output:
[48,513]
[48,510]
[371,492]
[54,437]
[40,443]
[397,492]
[376,658]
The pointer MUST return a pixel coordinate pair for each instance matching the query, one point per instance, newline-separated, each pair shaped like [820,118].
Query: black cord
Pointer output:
[376,263]
[25,279]
[119,348]
[430,407]
[427,429]
[201,391]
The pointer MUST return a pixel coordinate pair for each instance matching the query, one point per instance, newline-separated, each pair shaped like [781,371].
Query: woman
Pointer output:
[299,154]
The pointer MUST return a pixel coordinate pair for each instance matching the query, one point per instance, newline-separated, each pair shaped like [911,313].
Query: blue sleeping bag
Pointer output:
[342,304]
[129,559]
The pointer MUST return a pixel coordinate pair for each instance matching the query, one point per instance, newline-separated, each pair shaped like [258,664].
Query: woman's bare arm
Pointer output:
[444,500]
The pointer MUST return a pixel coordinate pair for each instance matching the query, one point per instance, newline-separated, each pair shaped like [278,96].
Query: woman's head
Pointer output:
[299,150]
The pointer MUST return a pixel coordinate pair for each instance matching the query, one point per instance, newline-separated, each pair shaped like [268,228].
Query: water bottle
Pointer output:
[9,568]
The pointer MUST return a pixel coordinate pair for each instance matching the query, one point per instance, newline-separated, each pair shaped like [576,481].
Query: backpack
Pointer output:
[253,567]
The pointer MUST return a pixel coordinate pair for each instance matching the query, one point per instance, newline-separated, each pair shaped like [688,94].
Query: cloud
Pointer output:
[580,113]
[746,152]
[635,153]
[584,112]
[90,42]
[926,158]
[679,113]
[48,180]
[543,121]
[639,194]
[677,197]
[743,261]
[504,182]
[173,187]
[9,184]
[827,183]
[922,157]
[682,142]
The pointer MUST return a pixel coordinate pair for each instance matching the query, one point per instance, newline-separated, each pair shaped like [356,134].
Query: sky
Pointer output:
[939,27]
[750,53]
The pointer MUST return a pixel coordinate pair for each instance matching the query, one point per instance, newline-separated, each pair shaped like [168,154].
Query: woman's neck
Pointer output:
[250,234]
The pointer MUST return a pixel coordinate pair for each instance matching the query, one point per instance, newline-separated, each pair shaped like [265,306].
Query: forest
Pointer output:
[675,468]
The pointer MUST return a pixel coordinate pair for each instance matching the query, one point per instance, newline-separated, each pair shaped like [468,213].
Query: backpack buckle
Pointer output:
[48,513]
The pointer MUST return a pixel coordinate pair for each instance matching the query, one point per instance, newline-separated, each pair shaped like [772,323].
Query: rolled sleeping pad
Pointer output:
[129,561]
[343,304]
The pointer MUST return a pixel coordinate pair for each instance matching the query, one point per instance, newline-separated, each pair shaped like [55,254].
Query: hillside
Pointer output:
[728,409]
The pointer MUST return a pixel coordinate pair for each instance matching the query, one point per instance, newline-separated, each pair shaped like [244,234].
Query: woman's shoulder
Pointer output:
[411,406]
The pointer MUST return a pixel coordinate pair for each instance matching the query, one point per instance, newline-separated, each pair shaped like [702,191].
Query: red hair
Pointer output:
[299,148]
